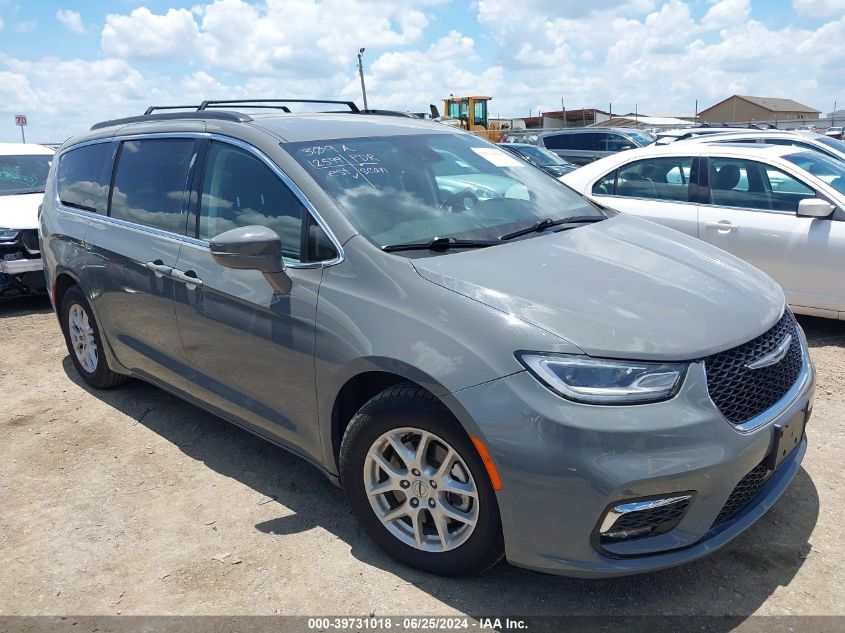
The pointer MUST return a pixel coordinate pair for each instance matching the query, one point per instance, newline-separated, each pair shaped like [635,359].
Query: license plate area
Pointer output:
[786,438]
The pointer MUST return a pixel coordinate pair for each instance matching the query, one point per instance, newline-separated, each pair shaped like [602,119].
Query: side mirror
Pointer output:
[814,208]
[249,247]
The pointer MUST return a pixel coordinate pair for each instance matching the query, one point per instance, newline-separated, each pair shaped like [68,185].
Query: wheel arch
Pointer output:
[369,379]
[64,280]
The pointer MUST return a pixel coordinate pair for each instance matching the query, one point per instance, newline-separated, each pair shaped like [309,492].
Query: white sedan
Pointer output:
[780,208]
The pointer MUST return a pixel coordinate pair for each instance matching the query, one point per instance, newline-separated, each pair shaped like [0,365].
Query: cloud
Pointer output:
[819,8]
[26,27]
[144,35]
[71,20]
[726,14]
[658,55]
[278,38]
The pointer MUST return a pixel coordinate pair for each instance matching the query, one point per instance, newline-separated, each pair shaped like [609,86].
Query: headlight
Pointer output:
[601,381]
[9,234]
[484,194]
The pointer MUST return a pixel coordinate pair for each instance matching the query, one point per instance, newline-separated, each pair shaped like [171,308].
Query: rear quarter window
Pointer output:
[83,176]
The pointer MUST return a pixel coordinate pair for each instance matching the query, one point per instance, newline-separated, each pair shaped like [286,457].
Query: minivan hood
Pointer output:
[621,288]
[20,211]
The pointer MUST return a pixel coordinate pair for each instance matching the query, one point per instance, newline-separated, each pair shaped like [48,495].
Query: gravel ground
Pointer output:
[131,501]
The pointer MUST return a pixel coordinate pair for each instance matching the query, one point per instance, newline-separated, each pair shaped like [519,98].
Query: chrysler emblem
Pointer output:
[773,357]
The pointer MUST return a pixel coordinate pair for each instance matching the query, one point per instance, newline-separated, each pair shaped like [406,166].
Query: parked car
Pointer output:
[580,146]
[548,161]
[23,172]
[806,140]
[781,208]
[836,132]
[581,391]
[461,185]
[708,129]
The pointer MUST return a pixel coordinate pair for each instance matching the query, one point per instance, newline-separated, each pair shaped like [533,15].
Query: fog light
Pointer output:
[646,517]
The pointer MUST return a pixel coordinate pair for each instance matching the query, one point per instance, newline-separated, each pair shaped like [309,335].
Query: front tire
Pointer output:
[84,343]
[418,485]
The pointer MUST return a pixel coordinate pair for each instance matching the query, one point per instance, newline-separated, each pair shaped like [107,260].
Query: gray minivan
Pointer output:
[528,375]
[581,146]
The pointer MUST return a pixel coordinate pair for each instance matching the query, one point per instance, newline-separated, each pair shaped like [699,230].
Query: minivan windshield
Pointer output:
[414,188]
[827,169]
[23,174]
[541,156]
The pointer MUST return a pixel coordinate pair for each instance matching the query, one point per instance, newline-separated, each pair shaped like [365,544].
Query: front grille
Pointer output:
[646,522]
[747,488]
[741,393]
[29,237]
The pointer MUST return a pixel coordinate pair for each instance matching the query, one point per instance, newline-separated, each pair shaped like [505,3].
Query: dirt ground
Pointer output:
[131,501]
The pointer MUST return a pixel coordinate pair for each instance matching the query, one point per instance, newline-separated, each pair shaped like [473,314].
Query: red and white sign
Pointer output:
[20,119]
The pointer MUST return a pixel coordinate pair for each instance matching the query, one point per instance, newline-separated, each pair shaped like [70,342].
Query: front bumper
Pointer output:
[21,266]
[564,464]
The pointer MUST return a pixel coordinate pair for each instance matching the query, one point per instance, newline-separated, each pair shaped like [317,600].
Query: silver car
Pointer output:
[528,377]
[831,147]
[781,208]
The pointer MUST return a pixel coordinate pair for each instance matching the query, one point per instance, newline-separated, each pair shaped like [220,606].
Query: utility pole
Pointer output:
[361,72]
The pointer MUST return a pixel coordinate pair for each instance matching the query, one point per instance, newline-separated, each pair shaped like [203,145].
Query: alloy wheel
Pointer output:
[421,489]
[82,338]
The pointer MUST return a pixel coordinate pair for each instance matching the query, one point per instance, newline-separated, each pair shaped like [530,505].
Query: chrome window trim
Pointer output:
[341,254]
[613,195]
[775,211]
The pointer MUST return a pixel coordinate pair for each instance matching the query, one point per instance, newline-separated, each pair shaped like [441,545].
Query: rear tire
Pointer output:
[82,336]
[447,518]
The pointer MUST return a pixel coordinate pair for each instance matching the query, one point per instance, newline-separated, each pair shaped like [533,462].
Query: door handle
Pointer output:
[158,268]
[722,225]
[189,278]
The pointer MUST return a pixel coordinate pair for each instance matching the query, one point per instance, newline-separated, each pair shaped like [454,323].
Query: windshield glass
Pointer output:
[24,174]
[835,143]
[822,167]
[641,138]
[412,188]
[541,156]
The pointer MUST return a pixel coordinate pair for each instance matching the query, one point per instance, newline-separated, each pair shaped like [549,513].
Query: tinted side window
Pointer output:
[606,186]
[240,190]
[656,178]
[594,141]
[83,176]
[748,184]
[150,182]
[618,143]
[559,141]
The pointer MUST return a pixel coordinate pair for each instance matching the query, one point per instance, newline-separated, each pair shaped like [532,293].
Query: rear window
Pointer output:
[150,183]
[83,177]
[23,174]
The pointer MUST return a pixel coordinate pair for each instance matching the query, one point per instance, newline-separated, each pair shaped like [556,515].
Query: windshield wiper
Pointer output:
[437,244]
[545,223]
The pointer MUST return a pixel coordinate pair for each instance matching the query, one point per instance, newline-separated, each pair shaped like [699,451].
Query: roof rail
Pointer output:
[152,109]
[248,103]
[219,115]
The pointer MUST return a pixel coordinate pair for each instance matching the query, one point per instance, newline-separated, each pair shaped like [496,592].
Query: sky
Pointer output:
[67,65]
